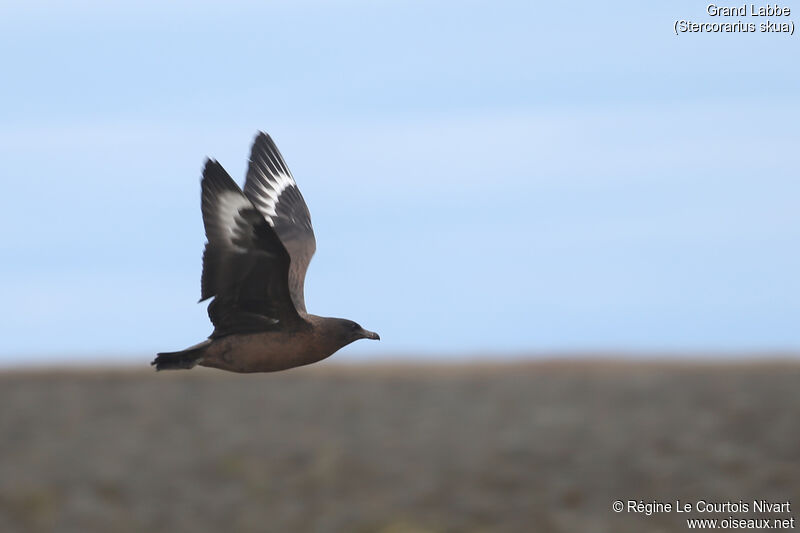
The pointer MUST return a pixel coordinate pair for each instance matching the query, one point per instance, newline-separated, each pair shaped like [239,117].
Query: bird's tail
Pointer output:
[187,358]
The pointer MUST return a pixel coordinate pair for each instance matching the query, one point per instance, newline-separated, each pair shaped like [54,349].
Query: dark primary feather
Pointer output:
[245,265]
[272,189]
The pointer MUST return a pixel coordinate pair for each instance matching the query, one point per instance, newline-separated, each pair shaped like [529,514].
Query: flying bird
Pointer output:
[260,242]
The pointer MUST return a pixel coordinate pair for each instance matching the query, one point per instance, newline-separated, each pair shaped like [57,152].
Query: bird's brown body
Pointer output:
[260,242]
[272,351]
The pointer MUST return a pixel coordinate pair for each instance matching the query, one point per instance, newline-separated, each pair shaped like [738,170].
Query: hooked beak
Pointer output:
[370,335]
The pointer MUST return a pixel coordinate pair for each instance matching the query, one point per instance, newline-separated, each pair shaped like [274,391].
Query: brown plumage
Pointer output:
[260,242]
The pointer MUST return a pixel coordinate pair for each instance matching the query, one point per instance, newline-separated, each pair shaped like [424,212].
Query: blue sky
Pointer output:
[498,177]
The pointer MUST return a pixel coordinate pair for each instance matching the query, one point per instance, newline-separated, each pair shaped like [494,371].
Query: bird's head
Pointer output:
[349,331]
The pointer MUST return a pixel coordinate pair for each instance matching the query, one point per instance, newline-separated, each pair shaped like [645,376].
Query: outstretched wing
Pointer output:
[272,189]
[245,265]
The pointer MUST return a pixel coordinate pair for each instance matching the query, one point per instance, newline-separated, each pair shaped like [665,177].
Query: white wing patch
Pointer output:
[228,205]
[270,188]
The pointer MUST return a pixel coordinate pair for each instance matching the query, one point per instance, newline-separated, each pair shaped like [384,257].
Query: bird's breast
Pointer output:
[265,352]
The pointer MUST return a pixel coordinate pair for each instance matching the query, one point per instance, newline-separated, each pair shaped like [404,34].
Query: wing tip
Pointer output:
[210,165]
[216,179]
[264,143]
[262,135]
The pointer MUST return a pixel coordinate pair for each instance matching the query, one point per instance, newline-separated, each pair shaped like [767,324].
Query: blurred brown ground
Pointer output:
[534,446]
